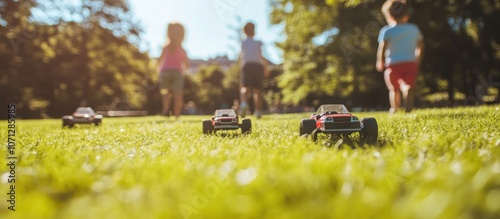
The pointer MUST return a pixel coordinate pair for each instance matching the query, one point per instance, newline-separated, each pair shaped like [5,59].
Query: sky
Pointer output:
[212,26]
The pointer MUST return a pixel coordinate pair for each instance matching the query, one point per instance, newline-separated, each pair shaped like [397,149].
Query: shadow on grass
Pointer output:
[228,134]
[352,141]
[173,121]
[156,121]
[81,126]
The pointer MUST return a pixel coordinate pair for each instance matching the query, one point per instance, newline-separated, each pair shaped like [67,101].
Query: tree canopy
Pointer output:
[56,55]
[330,47]
[71,54]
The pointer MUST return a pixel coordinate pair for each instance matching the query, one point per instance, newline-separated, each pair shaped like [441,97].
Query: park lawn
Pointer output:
[432,163]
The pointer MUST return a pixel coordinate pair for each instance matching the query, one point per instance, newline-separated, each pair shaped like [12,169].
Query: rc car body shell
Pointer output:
[335,119]
[82,115]
[344,123]
[226,119]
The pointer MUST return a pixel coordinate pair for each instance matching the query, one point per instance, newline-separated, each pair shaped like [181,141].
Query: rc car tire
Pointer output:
[314,135]
[207,127]
[369,133]
[246,126]
[97,122]
[66,122]
[307,126]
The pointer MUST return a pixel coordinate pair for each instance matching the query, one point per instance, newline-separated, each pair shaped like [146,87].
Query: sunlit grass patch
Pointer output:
[436,163]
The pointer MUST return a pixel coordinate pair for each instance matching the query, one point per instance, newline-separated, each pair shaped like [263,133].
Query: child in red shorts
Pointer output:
[399,53]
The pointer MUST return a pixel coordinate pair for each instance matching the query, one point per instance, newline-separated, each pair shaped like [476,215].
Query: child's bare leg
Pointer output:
[411,100]
[243,108]
[397,99]
[394,100]
[394,93]
[257,98]
[167,98]
[243,94]
[408,96]
[178,102]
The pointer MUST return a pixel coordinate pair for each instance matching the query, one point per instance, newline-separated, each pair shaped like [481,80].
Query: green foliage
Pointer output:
[231,82]
[327,53]
[455,31]
[210,88]
[440,163]
[330,46]
[15,33]
[52,65]
[271,92]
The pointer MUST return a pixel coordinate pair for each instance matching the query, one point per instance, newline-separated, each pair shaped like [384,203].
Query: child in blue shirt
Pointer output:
[399,53]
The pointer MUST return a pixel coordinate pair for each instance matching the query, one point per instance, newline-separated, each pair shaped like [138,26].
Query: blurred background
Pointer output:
[56,55]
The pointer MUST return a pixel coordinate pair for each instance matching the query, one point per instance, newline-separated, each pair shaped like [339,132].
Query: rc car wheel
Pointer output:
[307,126]
[207,127]
[369,133]
[66,122]
[97,122]
[314,135]
[246,126]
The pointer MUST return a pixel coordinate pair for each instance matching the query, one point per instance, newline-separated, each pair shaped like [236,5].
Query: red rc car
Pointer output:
[82,115]
[226,119]
[336,120]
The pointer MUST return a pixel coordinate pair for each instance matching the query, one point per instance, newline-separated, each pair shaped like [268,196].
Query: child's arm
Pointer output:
[264,63]
[186,61]
[418,51]
[159,59]
[382,46]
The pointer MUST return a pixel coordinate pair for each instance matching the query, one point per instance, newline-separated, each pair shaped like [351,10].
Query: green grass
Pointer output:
[441,163]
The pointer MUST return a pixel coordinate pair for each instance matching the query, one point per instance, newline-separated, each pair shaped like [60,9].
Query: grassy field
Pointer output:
[440,163]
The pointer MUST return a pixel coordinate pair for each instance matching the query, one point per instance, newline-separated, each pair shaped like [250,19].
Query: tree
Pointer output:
[16,32]
[112,16]
[330,48]
[210,93]
[328,52]
[231,82]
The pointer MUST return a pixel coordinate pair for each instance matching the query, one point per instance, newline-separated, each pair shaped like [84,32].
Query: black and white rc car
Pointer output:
[226,119]
[82,115]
